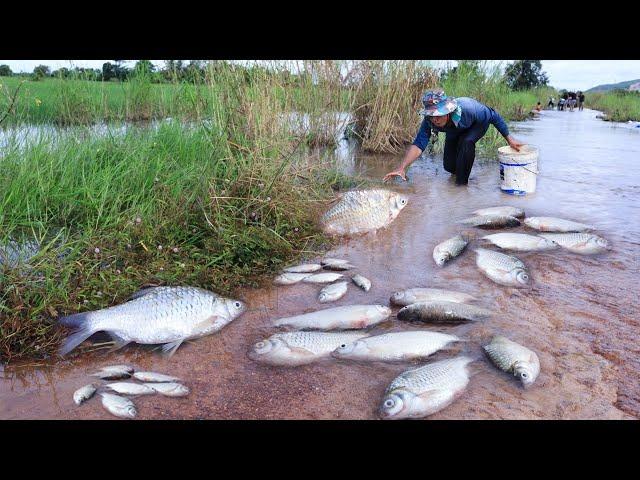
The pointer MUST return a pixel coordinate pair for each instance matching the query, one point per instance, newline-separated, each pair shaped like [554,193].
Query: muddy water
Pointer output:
[580,315]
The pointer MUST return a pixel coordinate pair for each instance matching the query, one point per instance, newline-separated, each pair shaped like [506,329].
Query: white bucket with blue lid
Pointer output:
[518,169]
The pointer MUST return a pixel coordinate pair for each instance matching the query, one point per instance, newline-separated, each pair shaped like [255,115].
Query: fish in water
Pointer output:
[442,312]
[154,377]
[504,211]
[332,292]
[338,318]
[451,248]
[503,269]
[414,295]
[491,221]
[361,211]
[425,390]
[521,242]
[323,277]
[512,357]
[289,278]
[336,264]
[129,388]
[552,224]
[300,348]
[362,282]
[395,346]
[84,393]
[114,372]
[161,315]
[169,389]
[118,406]
[583,243]
[303,268]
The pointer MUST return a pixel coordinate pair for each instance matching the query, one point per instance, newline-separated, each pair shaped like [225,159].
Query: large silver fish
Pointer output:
[509,211]
[118,406]
[129,388]
[332,292]
[154,377]
[425,390]
[414,295]
[503,269]
[336,264]
[326,277]
[520,242]
[362,211]
[395,346]
[583,243]
[160,315]
[169,389]
[491,221]
[442,312]
[553,224]
[289,278]
[338,318]
[300,348]
[451,248]
[514,358]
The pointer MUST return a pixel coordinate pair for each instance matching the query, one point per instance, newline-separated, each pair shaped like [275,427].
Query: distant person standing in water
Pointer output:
[580,101]
[551,103]
[464,121]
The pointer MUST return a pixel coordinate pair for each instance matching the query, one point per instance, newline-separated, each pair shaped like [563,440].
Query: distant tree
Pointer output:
[195,71]
[525,74]
[121,72]
[108,71]
[173,70]
[40,72]
[5,71]
[144,67]
[61,73]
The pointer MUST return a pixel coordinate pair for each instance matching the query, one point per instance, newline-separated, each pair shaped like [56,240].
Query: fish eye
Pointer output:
[389,403]
[259,345]
[237,304]
[343,345]
[524,375]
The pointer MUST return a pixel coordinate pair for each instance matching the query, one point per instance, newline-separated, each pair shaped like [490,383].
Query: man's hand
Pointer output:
[396,173]
[515,144]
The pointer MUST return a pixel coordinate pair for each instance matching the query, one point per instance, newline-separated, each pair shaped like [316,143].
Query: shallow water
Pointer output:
[580,315]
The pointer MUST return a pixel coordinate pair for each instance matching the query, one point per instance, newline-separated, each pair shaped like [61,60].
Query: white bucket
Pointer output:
[518,170]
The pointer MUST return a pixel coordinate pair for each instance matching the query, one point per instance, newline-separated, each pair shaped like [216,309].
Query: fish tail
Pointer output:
[76,338]
[75,321]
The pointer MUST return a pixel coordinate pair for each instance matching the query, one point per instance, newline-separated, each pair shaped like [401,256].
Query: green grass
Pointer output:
[619,105]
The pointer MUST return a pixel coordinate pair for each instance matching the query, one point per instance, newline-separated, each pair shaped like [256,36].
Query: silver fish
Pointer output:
[338,318]
[332,292]
[491,221]
[303,268]
[414,295]
[336,264]
[169,389]
[512,357]
[114,372]
[323,277]
[118,406]
[362,282]
[553,224]
[425,390]
[129,388]
[289,278]
[395,346]
[300,348]
[154,377]
[503,269]
[504,211]
[84,393]
[583,243]
[442,312]
[167,315]
[451,248]
[362,211]
[520,242]
[333,261]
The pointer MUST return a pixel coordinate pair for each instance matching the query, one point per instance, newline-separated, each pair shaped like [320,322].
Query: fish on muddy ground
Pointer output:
[169,389]
[159,315]
[553,224]
[300,348]
[502,269]
[361,211]
[512,357]
[491,221]
[290,278]
[118,406]
[503,211]
[583,243]
[338,318]
[303,268]
[362,282]
[336,264]
[395,346]
[323,277]
[154,377]
[521,242]
[415,295]
[449,249]
[332,292]
[442,312]
[129,388]
[114,372]
[84,393]
[423,391]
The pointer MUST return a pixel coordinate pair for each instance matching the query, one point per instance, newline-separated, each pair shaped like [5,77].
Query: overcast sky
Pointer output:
[569,74]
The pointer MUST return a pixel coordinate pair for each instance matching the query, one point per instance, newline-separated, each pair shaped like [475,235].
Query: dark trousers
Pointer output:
[460,151]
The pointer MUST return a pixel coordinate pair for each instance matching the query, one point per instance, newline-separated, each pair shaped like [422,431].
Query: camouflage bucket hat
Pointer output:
[437,103]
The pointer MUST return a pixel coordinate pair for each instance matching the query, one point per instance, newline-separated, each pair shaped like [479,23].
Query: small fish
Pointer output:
[451,248]
[129,388]
[414,295]
[118,406]
[290,278]
[332,292]
[114,372]
[338,318]
[169,389]
[84,393]
[583,243]
[304,268]
[512,357]
[442,312]
[153,377]
[425,390]
[395,346]
[503,269]
[521,242]
[300,348]
[504,211]
[362,282]
[553,224]
[491,221]
[323,277]
[336,264]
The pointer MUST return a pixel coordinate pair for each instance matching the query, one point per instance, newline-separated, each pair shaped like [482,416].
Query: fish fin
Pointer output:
[168,349]
[75,320]
[118,342]
[141,293]
[75,339]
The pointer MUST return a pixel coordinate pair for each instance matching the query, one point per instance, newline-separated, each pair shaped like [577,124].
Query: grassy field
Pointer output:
[619,105]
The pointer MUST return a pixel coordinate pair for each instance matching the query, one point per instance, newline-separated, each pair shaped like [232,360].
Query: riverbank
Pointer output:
[618,106]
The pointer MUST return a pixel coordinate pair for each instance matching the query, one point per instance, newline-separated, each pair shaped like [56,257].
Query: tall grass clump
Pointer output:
[619,105]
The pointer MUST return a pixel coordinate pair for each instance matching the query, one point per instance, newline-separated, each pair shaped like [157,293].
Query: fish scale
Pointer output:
[445,374]
[520,242]
[553,224]
[512,357]
[578,242]
[499,260]
[502,269]
[319,342]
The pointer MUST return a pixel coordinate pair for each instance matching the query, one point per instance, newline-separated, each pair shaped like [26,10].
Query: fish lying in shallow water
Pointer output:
[503,269]
[129,388]
[553,224]
[512,357]
[583,243]
[154,377]
[521,242]
[84,393]
[118,406]
[338,318]
[114,372]
[415,295]
[323,277]
[169,389]
[504,211]
[303,268]
[491,221]
[361,211]
[442,312]
[362,282]
[289,278]
[449,249]
[332,292]
[336,264]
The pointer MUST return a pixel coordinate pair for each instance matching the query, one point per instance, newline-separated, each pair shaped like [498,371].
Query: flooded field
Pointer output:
[580,315]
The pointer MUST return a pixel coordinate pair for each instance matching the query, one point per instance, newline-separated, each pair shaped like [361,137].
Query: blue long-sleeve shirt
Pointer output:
[473,112]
